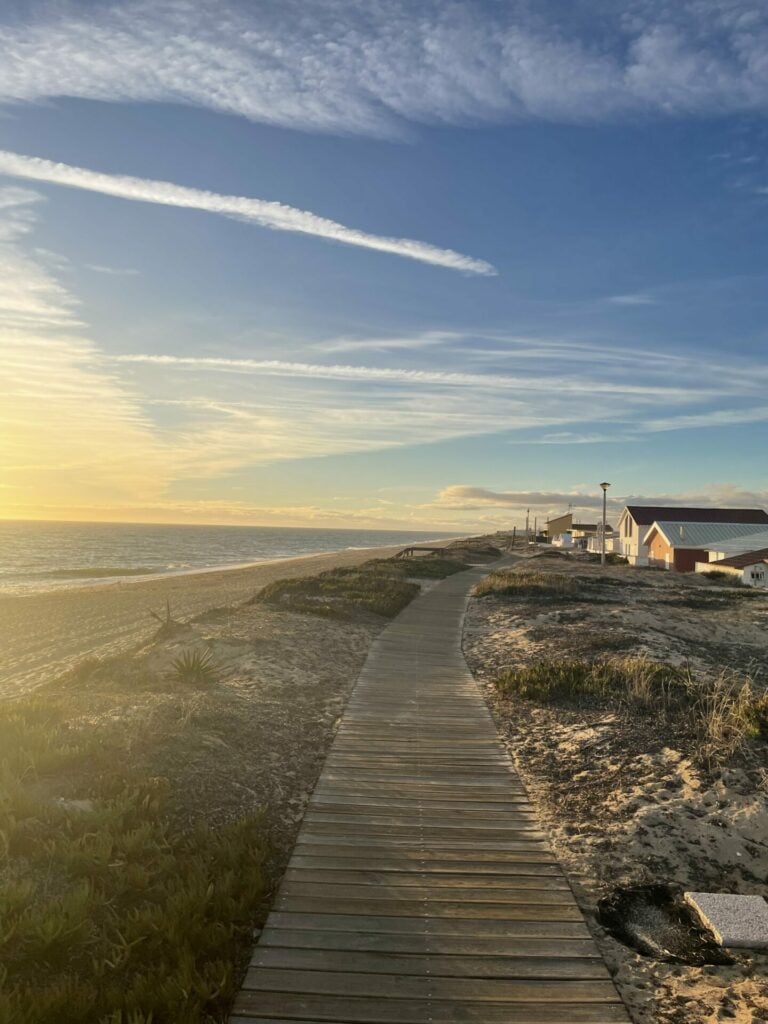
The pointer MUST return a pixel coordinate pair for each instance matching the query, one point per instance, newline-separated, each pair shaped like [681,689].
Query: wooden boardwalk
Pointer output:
[421,889]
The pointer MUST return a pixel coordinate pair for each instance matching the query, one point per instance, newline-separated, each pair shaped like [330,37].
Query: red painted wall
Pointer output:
[686,558]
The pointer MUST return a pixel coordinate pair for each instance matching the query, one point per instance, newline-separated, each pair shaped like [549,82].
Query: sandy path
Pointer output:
[46,633]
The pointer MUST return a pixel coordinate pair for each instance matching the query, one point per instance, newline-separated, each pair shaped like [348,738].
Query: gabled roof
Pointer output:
[740,545]
[742,561]
[686,534]
[645,515]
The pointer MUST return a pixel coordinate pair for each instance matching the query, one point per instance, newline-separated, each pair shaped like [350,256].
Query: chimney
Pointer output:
[682,533]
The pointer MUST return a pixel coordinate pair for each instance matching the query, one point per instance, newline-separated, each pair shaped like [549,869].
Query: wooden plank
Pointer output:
[416,878]
[384,986]
[437,908]
[480,927]
[281,1006]
[434,895]
[523,864]
[494,946]
[431,966]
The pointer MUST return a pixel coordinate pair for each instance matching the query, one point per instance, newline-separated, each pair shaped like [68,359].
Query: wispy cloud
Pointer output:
[265,213]
[99,268]
[636,299]
[409,342]
[397,375]
[344,66]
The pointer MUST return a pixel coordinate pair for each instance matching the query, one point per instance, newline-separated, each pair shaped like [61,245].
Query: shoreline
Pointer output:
[131,576]
[46,633]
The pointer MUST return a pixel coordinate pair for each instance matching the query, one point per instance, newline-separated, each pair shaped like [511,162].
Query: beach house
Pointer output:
[749,568]
[635,522]
[680,545]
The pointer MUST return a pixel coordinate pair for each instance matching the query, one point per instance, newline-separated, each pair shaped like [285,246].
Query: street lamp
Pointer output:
[605,487]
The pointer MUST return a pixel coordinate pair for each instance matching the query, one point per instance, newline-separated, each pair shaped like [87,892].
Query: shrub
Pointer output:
[195,668]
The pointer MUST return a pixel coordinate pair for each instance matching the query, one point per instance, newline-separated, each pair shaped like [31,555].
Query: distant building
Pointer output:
[748,568]
[564,533]
[636,520]
[558,526]
[679,545]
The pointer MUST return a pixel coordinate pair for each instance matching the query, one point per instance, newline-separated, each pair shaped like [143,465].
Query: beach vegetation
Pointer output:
[194,668]
[722,711]
[527,584]
[112,912]
[342,593]
[428,567]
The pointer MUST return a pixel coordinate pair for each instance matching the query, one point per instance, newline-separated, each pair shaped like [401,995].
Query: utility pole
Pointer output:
[605,487]
[527,531]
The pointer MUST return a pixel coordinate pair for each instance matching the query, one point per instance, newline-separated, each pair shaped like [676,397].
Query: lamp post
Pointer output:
[605,487]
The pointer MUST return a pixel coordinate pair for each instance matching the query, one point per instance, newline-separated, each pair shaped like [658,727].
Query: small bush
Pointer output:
[611,558]
[195,668]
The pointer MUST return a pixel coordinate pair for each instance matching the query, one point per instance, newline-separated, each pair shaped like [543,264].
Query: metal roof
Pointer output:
[645,515]
[738,545]
[743,560]
[683,534]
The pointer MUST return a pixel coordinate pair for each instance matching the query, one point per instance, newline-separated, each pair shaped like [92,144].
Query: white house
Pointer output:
[749,568]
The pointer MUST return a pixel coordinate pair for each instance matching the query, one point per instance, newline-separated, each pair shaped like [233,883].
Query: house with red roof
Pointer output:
[636,521]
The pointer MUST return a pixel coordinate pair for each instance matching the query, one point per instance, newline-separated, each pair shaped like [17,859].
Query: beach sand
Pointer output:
[46,633]
[624,798]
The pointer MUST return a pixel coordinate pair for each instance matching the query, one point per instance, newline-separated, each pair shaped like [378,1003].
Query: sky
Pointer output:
[393,264]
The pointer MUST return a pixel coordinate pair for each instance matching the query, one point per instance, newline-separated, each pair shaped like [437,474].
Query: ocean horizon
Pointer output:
[45,555]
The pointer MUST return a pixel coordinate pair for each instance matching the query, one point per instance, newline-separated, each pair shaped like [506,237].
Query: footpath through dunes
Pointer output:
[421,889]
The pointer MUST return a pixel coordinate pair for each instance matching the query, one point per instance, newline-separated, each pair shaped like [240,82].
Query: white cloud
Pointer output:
[267,214]
[636,299]
[443,378]
[68,425]
[99,268]
[344,66]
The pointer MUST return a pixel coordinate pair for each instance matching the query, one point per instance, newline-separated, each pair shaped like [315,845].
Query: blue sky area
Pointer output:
[522,248]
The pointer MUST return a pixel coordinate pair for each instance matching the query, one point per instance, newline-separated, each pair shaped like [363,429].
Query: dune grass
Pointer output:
[428,567]
[381,586]
[542,586]
[723,712]
[341,594]
[109,913]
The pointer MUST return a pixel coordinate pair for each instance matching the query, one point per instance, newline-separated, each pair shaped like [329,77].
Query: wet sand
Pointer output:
[46,633]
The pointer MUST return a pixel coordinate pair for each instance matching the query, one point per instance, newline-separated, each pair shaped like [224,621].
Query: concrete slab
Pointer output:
[736,921]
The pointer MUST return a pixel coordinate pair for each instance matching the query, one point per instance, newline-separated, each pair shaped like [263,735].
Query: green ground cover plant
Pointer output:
[723,712]
[109,912]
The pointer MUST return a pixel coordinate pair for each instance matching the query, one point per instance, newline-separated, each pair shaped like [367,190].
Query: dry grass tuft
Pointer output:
[724,712]
[526,584]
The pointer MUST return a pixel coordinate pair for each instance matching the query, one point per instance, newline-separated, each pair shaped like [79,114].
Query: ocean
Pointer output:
[44,555]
